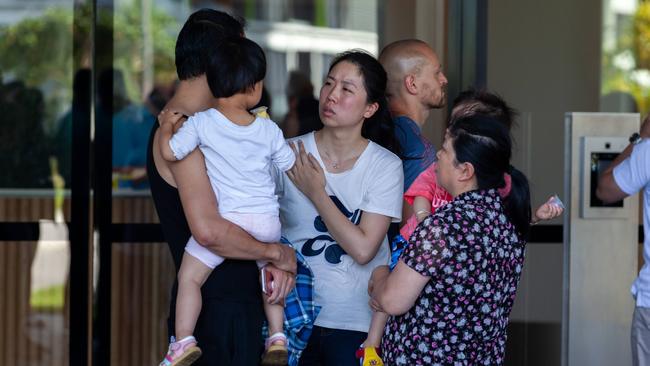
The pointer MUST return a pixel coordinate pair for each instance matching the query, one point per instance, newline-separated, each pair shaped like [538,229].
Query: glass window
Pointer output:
[625,82]
[36,86]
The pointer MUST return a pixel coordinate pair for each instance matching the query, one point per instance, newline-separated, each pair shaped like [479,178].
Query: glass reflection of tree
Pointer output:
[38,52]
[626,65]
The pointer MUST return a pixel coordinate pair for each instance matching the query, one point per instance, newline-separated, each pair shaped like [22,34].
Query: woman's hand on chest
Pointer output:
[307,174]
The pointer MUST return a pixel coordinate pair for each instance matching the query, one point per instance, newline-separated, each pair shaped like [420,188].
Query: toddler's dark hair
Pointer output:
[235,66]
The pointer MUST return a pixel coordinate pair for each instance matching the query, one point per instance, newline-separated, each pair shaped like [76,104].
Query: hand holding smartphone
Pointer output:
[555,200]
[267,281]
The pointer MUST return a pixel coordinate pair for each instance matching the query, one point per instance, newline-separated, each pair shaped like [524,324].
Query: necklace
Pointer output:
[341,163]
[333,163]
[336,164]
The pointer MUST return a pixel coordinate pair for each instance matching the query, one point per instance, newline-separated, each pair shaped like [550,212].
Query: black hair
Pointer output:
[235,66]
[202,31]
[483,102]
[485,143]
[380,127]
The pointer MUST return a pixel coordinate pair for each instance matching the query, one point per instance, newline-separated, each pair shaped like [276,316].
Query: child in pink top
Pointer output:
[426,196]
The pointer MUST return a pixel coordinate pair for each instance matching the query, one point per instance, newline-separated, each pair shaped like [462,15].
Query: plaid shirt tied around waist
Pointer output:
[300,311]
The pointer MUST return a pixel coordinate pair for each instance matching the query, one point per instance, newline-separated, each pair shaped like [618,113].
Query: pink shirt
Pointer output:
[426,185]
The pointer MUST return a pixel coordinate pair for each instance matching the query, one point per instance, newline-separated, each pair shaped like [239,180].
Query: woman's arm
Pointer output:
[395,292]
[210,229]
[360,242]
[201,209]
[220,235]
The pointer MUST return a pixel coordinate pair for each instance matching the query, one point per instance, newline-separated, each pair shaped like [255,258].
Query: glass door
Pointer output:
[45,99]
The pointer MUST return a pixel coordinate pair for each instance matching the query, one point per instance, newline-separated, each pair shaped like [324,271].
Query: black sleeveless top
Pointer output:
[232,280]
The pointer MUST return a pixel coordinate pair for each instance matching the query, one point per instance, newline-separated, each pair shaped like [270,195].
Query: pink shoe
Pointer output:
[276,353]
[182,353]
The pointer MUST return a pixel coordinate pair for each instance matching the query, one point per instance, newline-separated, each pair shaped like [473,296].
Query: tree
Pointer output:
[626,66]
[38,51]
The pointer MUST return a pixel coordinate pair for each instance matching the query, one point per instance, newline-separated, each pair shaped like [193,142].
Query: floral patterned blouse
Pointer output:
[474,257]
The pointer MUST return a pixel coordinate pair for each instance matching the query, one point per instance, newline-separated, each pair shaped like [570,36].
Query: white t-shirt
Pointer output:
[239,159]
[374,184]
[631,176]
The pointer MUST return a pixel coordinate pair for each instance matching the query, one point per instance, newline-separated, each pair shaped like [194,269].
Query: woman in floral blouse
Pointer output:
[454,286]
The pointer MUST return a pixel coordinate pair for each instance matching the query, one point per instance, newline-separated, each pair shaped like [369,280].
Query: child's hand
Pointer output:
[170,122]
[175,119]
[549,210]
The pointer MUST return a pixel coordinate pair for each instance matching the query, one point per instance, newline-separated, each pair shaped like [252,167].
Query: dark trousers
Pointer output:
[229,333]
[332,347]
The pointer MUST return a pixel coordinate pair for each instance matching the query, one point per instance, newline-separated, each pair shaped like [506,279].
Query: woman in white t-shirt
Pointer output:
[338,200]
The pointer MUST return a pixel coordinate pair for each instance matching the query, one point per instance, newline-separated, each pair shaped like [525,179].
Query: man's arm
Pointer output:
[608,190]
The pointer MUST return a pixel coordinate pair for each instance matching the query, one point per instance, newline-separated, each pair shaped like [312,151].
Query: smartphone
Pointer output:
[556,201]
[267,282]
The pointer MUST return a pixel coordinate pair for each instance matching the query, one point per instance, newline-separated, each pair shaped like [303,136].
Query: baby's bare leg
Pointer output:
[274,315]
[191,277]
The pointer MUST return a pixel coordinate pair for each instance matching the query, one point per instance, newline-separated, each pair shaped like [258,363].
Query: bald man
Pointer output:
[416,85]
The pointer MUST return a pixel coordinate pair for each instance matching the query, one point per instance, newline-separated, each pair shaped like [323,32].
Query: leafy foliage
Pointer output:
[633,47]
[39,51]
[641,38]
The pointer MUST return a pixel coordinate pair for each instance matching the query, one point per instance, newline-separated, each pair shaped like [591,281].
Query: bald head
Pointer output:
[416,83]
[405,57]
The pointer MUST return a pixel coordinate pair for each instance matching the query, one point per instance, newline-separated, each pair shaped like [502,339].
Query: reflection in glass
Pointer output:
[36,80]
[142,276]
[625,66]
[34,284]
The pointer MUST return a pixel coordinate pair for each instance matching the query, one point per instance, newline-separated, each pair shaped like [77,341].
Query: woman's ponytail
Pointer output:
[518,203]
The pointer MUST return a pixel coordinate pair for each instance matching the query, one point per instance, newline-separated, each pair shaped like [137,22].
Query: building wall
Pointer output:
[544,58]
